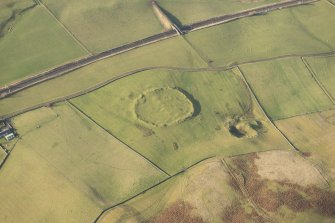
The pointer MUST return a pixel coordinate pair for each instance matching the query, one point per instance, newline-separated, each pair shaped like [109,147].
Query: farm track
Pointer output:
[123,75]
[104,83]
[62,70]
[245,192]
[66,68]
[144,191]
[307,113]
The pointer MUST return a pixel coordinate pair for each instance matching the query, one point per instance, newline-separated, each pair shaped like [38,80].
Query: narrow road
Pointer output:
[66,68]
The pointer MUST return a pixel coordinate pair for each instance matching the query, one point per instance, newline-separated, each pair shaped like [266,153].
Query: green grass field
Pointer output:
[172,52]
[285,88]
[164,107]
[297,30]
[221,104]
[34,31]
[95,162]
[10,10]
[203,193]
[324,68]
[201,10]
[105,24]
[198,128]
[3,155]
[314,134]
[35,191]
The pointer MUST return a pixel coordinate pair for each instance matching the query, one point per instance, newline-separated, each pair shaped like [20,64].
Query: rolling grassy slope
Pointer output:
[95,162]
[66,174]
[298,30]
[285,88]
[220,99]
[314,134]
[35,43]
[324,68]
[35,191]
[172,52]
[3,155]
[10,11]
[105,24]
[187,11]
[205,193]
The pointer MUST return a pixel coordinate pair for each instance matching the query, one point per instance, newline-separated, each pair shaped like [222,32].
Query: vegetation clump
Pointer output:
[242,127]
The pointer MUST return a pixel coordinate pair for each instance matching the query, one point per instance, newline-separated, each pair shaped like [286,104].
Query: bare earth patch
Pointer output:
[288,166]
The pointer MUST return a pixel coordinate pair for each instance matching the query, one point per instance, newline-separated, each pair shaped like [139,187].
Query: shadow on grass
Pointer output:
[196,103]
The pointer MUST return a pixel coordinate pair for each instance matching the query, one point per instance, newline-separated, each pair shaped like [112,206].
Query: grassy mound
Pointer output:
[216,98]
[163,107]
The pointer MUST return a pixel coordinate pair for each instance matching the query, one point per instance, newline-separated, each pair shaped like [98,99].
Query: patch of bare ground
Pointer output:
[283,165]
[291,195]
[236,213]
[179,211]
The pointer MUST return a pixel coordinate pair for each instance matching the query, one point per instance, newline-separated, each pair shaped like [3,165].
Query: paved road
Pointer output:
[64,69]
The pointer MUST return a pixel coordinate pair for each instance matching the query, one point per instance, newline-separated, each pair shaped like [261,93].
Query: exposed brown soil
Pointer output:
[178,212]
[235,213]
[295,197]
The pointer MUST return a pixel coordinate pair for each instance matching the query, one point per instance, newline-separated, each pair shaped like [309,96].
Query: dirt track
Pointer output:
[66,68]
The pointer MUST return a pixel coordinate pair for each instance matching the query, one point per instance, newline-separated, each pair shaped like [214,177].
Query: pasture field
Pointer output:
[172,52]
[285,88]
[298,30]
[35,191]
[10,3]
[35,30]
[9,11]
[185,12]
[94,161]
[324,68]
[314,135]
[198,128]
[285,186]
[101,25]
[224,116]
[3,155]
[204,193]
